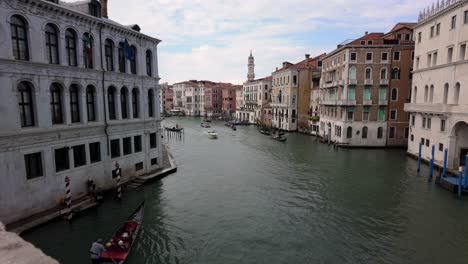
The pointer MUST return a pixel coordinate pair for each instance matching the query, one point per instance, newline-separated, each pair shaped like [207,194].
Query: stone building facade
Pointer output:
[364,86]
[439,101]
[76,99]
[255,93]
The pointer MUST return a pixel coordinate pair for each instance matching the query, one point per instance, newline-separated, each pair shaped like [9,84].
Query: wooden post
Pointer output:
[117,175]
[68,198]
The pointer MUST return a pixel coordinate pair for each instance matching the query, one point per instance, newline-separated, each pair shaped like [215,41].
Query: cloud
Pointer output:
[211,39]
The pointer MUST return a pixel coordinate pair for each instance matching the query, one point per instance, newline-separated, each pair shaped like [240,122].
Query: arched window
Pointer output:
[51,34]
[364,132]
[396,74]
[294,79]
[124,102]
[149,63]
[349,132]
[133,55]
[352,73]
[380,132]
[19,38]
[394,95]
[88,50]
[122,57]
[457,93]
[25,102]
[90,103]
[109,54]
[150,103]
[431,94]
[368,73]
[135,102]
[415,94]
[426,93]
[383,74]
[56,103]
[70,45]
[446,92]
[74,103]
[111,92]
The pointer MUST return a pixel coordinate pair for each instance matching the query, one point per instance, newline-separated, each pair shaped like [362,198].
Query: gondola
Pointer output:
[233,127]
[119,246]
[282,139]
[174,129]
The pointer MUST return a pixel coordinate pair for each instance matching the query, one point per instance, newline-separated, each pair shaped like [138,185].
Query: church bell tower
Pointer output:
[251,65]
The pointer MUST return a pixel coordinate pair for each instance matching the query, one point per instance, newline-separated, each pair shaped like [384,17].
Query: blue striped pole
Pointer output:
[431,165]
[460,173]
[444,170]
[466,172]
[419,157]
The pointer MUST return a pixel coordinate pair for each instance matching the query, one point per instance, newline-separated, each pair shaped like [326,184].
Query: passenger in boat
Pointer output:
[96,250]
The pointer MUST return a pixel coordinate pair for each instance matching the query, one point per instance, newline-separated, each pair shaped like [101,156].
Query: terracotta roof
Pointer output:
[313,62]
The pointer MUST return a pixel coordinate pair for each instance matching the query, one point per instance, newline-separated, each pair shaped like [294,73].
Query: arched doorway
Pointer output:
[459,144]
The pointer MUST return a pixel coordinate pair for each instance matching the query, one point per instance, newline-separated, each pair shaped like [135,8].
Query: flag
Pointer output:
[128,51]
[88,42]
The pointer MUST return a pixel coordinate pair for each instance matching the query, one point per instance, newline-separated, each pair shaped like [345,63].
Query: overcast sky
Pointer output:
[211,39]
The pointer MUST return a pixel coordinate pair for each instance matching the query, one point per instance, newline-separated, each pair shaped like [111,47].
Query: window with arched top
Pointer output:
[70,47]
[109,54]
[352,73]
[124,103]
[456,96]
[396,74]
[52,49]
[364,132]
[111,94]
[135,102]
[426,93]
[150,103]
[75,103]
[88,43]
[415,94]
[383,74]
[25,102]
[446,93]
[349,132]
[380,132]
[122,57]
[133,55]
[91,103]
[368,74]
[19,38]
[56,103]
[431,94]
[149,63]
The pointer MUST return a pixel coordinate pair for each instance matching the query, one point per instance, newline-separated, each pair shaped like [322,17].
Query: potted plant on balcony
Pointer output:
[314,119]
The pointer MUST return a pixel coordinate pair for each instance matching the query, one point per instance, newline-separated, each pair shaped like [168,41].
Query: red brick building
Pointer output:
[229,99]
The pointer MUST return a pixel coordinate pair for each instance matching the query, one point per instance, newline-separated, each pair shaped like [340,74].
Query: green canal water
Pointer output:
[245,198]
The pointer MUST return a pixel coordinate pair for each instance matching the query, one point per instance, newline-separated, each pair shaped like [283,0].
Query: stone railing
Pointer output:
[436,8]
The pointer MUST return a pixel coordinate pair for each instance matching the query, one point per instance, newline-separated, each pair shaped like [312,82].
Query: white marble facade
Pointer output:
[39,148]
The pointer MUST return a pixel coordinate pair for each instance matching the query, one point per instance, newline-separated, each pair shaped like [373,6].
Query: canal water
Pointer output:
[246,198]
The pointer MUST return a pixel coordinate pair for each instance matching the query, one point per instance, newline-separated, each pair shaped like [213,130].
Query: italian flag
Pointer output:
[87,46]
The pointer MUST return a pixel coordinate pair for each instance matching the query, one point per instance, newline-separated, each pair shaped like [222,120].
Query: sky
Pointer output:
[212,39]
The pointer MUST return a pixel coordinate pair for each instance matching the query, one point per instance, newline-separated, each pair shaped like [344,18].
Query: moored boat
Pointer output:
[119,246]
[204,125]
[233,127]
[174,129]
[212,134]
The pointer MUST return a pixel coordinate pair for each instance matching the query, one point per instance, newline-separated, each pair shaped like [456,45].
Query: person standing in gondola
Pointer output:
[96,250]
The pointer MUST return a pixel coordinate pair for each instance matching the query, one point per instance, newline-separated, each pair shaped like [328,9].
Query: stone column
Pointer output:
[452,153]
[62,49]
[66,109]
[130,104]
[118,108]
[79,50]
[83,107]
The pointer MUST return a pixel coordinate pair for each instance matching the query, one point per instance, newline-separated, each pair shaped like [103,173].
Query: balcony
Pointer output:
[340,83]
[433,108]
[347,102]
[368,82]
[367,102]
[383,81]
[328,102]
[352,81]
[383,102]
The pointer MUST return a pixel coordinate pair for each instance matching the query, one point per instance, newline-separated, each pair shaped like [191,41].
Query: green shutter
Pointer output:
[351,93]
[366,109]
[383,93]
[381,114]
[367,93]
[350,109]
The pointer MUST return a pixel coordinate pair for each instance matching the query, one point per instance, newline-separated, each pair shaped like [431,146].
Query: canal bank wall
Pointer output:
[86,201]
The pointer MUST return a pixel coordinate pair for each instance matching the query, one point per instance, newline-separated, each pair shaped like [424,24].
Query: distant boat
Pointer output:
[265,132]
[174,129]
[212,134]
[233,127]
[207,120]
[279,138]
[118,247]
[205,125]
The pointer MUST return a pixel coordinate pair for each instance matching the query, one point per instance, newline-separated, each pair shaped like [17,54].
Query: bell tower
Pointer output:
[251,65]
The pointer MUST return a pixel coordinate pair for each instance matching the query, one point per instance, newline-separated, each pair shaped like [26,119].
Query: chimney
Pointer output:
[276,68]
[284,64]
[104,8]
[365,33]
[307,56]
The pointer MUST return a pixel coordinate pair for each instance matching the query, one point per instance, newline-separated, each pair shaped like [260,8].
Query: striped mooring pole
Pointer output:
[117,175]
[69,214]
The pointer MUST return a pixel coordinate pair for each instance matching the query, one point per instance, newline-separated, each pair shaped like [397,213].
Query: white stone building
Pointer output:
[73,104]
[189,98]
[255,94]
[439,102]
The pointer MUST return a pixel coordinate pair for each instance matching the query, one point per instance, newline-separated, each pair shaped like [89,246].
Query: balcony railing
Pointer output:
[383,102]
[346,102]
[368,82]
[328,102]
[383,81]
[367,102]
[432,108]
[352,81]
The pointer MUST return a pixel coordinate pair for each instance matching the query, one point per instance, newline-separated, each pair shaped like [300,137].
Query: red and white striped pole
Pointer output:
[117,175]
[68,198]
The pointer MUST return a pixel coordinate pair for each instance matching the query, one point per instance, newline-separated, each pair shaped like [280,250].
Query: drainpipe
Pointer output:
[106,129]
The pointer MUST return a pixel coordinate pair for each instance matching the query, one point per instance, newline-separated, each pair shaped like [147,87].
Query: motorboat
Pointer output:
[204,125]
[212,134]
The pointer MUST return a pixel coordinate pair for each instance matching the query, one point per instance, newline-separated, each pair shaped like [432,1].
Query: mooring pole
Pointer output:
[444,170]
[68,198]
[466,172]
[431,165]
[419,157]
[460,173]
[117,174]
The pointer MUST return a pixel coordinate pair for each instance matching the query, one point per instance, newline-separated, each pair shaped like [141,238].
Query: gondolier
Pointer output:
[96,250]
